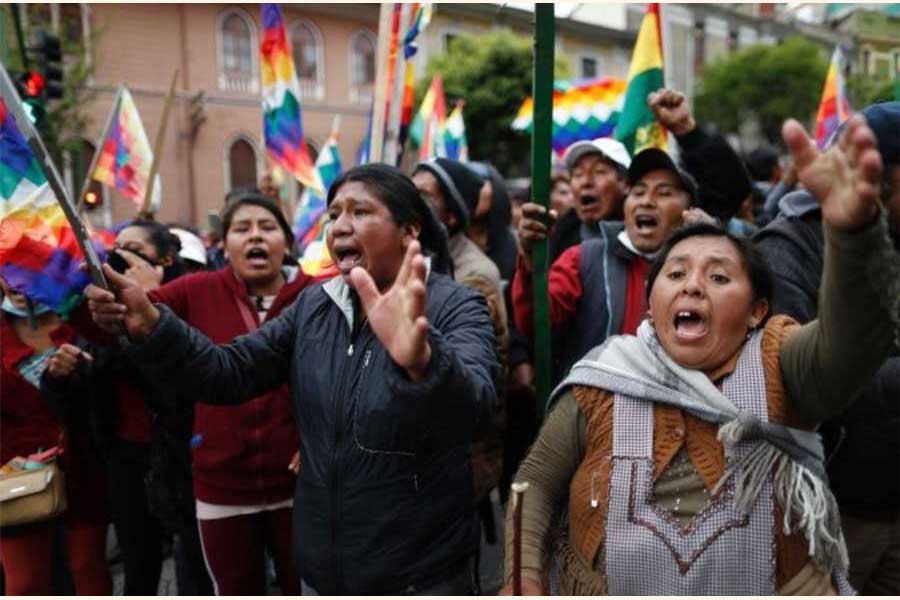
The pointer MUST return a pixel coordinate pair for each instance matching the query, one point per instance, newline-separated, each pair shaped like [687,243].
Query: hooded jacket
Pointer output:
[384,496]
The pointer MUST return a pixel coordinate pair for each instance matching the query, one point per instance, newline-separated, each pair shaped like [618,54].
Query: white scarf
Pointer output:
[640,368]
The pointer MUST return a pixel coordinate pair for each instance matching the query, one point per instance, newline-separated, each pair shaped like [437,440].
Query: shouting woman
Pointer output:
[390,367]
[687,452]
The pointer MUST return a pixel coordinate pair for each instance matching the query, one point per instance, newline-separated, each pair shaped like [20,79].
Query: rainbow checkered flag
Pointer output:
[126,155]
[282,118]
[42,241]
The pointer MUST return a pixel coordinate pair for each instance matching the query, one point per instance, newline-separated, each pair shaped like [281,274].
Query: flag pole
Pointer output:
[392,150]
[88,175]
[157,148]
[13,104]
[542,129]
[376,143]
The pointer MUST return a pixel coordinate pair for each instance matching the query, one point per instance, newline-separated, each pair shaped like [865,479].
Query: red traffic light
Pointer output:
[34,84]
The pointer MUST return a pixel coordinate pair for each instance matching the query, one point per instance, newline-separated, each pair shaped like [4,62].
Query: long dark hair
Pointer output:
[166,243]
[397,192]
[761,279]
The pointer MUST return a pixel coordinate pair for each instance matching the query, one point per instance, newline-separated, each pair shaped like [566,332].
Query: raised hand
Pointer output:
[398,316]
[845,179]
[65,359]
[671,110]
[534,225]
[127,305]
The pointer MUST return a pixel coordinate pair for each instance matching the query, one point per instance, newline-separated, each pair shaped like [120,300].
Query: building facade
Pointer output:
[214,137]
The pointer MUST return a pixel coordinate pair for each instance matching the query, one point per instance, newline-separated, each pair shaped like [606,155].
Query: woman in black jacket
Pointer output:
[391,365]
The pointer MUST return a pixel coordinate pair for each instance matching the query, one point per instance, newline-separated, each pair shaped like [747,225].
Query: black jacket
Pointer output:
[863,444]
[384,496]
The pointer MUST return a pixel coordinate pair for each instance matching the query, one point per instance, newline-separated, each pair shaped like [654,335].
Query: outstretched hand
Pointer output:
[126,305]
[845,179]
[398,316]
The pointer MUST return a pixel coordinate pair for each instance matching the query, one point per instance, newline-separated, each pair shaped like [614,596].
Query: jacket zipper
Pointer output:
[338,403]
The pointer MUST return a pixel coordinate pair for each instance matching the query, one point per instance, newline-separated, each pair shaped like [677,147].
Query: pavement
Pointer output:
[490,566]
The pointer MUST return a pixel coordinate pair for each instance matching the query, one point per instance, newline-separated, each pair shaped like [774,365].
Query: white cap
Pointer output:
[609,148]
[192,247]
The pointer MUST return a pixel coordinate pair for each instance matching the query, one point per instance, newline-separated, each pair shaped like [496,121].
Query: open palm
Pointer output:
[845,179]
[397,317]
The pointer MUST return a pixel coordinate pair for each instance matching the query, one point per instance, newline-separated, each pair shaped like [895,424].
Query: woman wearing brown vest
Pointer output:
[686,456]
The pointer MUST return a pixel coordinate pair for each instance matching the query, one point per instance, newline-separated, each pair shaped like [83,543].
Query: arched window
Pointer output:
[362,66]
[240,164]
[309,62]
[237,48]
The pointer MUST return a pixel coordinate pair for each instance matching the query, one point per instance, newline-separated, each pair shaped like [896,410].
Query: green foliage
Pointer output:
[493,74]
[863,90]
[768,83]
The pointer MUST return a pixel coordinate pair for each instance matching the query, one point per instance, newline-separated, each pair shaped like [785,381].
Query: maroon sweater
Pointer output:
[26,422]
[241,453]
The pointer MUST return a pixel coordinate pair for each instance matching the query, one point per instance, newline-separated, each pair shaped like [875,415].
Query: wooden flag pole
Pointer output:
[146,212]
[98,149]
[542,130]
[376,143]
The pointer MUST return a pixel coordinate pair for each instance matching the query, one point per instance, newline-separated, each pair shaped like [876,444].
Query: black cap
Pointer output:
[652,159]
[884,121]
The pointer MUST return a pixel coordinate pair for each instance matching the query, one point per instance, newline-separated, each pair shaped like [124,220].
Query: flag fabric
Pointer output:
[455,143]
[582,110]
[316,260]
[419,20]
[311,205]
[126,154]
[638,127]
[834,108]
[427,128]
[282,117]
[39,254]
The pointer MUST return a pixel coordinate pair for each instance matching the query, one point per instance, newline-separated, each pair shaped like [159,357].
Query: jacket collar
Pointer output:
[339,292]
[295,281]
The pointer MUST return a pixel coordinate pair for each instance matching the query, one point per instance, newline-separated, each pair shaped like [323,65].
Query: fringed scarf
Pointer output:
[640,368]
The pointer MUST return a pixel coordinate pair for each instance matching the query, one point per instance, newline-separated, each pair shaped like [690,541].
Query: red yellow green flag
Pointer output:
[638,127]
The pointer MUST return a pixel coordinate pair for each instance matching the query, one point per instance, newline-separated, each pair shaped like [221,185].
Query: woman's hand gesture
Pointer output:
[65,359]
[398,316]
[845,179]
[127,305]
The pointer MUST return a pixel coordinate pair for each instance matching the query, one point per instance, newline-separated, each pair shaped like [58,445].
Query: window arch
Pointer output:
[237,52]
[309,58]
[362,66]
[241,163]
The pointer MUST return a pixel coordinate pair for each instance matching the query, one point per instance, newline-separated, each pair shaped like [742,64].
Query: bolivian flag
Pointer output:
[638,127]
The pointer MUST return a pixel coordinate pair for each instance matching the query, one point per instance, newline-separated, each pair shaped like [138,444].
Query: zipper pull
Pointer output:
[366,360]
[350,350]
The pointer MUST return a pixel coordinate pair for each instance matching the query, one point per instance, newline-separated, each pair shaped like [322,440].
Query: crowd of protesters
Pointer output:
[726,413]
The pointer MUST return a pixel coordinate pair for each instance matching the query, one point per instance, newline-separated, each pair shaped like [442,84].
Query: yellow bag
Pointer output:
[33,495]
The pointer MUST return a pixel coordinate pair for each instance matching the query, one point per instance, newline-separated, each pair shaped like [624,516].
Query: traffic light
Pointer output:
[47,54]
[91,200]
[31,86]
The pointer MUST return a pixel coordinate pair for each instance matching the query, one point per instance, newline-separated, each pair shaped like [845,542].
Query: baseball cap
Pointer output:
[651,159]
[610,149]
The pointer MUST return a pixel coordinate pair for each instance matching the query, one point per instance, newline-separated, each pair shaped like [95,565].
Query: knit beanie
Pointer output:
[459,185]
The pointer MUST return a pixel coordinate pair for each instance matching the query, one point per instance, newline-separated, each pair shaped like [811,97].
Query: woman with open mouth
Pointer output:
[390,365]
[687,454]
